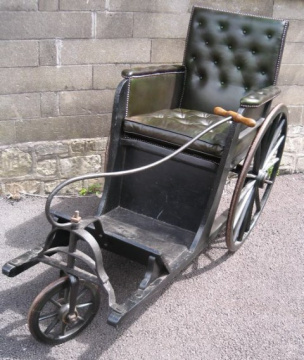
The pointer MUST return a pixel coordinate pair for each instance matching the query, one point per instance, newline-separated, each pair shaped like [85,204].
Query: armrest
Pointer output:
[152,70]
[259,97]
[153,88]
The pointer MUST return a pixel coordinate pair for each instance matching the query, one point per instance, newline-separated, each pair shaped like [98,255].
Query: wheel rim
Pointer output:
[49,319]
[256,179]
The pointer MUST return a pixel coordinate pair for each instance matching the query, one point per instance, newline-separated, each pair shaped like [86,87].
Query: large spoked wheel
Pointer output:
[256,177]
[49,318]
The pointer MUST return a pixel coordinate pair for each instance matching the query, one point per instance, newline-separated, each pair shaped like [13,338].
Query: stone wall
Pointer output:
[60,61]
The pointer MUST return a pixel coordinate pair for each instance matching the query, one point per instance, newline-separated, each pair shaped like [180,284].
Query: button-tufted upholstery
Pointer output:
[230,60]
[227,55]
[177,126]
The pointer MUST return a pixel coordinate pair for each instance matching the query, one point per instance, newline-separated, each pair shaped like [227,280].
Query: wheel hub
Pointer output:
[64,315]
[261,178]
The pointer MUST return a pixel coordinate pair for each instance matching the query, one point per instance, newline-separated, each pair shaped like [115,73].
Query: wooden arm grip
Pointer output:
[235,116]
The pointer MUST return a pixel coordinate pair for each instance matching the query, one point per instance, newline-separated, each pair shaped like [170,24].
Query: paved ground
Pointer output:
[246,306]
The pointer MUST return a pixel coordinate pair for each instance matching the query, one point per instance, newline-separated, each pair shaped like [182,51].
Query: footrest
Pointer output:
[21,263]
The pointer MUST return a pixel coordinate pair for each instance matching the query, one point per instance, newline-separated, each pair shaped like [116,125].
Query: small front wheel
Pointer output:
[50,320]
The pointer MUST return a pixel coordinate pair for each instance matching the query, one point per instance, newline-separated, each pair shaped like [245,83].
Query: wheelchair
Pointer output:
[178,133]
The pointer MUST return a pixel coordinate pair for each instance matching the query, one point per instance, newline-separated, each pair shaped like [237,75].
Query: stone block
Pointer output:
[49,186]
[108,76]
[7,132]
[45,78]
[48,5]
[79,165]
[155,25]
[96,145]
[18,53]
[283,9]
[46,149]
[18,5]
[14,162]
[86,102]
[28,187]
[47,167]
[82,5]
[167,51]
[288,163]
[300,163]
[172,6]
[257,7]
[294,144]
[291,74]
[102,51]
[77,146]
[47,52]
[49,104]
[114,25]
[295,116]
[19,106]
[45,25]
[293,53]
[62,128]
[291,95]
[295,31]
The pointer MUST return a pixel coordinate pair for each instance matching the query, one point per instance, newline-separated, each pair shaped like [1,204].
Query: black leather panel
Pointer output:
[178,126]
[150,70]
[260,97]
[153,92]
[228,55]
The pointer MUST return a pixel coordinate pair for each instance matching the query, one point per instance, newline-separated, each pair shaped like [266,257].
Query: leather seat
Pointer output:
[177,126]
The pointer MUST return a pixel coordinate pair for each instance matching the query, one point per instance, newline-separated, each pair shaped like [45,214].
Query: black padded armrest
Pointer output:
[152,70]
[259,97]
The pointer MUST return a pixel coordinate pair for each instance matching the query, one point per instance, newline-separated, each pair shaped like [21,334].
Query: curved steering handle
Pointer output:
[235,116]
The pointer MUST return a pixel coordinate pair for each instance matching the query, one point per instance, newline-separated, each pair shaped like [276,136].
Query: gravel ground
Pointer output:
[245,306]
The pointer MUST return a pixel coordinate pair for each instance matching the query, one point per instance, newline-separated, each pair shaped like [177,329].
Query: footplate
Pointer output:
[21,263]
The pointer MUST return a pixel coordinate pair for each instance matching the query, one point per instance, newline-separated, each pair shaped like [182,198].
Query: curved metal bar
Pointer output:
[121,173]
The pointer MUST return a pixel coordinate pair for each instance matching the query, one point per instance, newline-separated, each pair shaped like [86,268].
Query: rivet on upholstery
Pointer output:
[222,83]
[244,32]
[200,23]
[207,42]
[201,78]
[229,47]
[215,62]
[263,72]
[253,51]
[269,36]
[193,57]
[246,88]
[238,67]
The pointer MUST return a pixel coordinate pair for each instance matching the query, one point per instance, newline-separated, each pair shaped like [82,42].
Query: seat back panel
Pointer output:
[227,55]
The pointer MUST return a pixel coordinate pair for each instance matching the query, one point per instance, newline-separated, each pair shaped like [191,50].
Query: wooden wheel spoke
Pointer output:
[272,153]
[257,161]
[276,136]
[63,328]
[81,293]
[257,199]
[84,305]
[55,302]
[51,326]
[245,200]
[48,316]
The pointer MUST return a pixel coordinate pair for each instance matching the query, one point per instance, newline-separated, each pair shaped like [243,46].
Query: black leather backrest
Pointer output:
[227,55]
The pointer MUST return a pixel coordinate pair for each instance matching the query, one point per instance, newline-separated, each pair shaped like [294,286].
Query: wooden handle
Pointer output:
[235,116]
